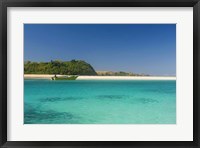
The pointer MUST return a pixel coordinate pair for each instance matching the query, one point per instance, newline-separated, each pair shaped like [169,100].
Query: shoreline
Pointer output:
[47,76]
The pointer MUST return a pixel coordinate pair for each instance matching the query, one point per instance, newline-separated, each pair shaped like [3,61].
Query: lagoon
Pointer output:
[100,102]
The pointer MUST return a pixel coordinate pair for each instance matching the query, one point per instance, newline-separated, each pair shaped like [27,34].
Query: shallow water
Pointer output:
[100,102]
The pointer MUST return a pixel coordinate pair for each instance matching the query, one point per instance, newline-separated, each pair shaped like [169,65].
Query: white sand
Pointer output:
[40,76]
[125,78]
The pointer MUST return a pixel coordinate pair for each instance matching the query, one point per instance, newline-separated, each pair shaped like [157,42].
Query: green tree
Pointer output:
[73,67]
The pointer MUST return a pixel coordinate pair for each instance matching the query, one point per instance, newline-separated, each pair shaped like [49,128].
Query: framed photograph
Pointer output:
[99,73]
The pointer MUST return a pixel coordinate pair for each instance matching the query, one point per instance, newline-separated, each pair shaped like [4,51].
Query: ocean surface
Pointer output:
[100,102]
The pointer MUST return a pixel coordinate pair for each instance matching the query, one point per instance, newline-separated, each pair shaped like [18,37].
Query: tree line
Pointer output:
[73,67]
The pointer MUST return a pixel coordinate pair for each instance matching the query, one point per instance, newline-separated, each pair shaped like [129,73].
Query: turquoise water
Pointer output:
[100,102]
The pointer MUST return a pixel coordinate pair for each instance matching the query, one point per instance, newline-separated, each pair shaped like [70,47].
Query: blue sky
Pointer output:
[139,48]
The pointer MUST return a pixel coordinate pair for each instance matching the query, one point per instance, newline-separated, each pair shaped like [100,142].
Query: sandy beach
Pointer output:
[45,76]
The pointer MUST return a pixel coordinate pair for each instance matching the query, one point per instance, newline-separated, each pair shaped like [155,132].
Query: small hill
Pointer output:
[120,73]
[73,67]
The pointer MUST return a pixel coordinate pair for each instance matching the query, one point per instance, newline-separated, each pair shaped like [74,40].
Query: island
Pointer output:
[79,69]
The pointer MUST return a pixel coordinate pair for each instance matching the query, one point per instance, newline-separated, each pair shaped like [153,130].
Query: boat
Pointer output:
[64,78]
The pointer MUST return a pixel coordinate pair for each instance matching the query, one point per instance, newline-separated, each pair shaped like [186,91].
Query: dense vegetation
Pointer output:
[73,67]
